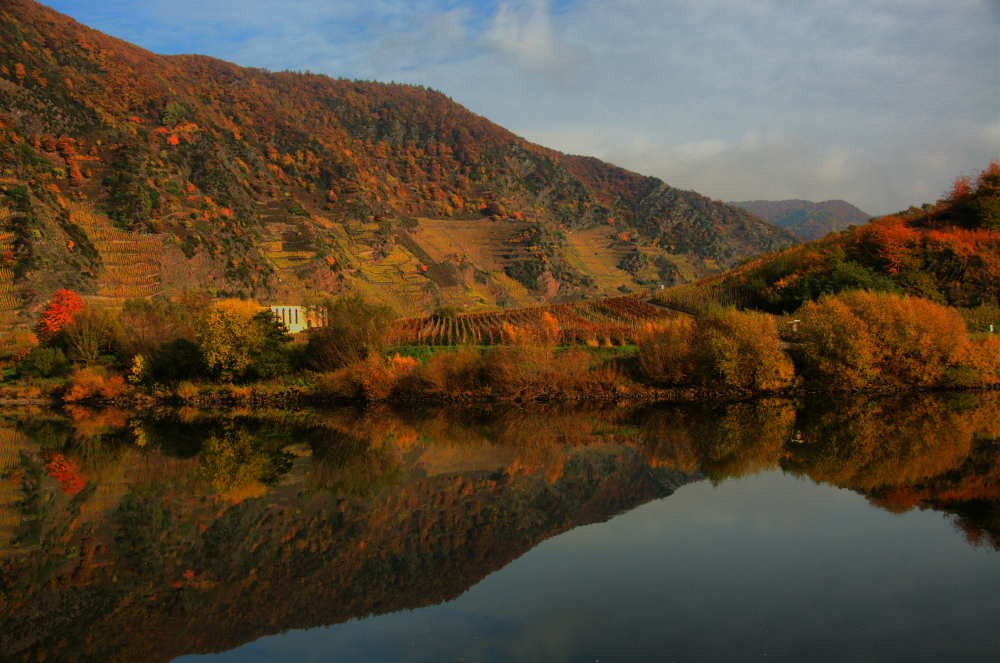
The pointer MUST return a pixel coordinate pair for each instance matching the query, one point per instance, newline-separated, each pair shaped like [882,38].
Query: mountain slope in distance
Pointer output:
[806,219]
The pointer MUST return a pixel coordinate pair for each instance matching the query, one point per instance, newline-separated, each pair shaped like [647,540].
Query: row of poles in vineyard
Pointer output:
[608,321]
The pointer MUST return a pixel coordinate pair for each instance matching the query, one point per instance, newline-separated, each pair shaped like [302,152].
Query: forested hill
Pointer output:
[807,219]
[948,252]
[126,173]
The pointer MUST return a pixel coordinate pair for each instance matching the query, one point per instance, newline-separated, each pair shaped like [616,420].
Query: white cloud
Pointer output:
[524,32]
[991,135]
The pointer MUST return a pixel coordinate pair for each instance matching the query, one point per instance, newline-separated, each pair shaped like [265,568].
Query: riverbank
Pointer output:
[275,394]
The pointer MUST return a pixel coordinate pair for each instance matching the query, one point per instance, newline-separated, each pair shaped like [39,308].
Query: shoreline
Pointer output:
[648,395]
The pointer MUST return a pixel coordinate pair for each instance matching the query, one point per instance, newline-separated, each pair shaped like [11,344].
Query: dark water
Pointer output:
[777,530]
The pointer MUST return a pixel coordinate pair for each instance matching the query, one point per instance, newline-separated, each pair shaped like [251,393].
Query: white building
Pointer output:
[297,318]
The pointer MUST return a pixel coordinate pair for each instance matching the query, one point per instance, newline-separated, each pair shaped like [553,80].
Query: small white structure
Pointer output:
[296,318]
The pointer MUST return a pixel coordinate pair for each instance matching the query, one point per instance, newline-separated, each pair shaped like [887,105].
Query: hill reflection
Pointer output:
[131,536]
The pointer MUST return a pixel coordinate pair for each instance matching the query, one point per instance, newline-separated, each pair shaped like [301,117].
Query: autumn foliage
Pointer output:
[860,338]
[57,313]
[948,252]
[726,347]
[66,472]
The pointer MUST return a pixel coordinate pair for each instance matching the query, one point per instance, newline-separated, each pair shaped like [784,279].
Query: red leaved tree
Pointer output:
[57,313]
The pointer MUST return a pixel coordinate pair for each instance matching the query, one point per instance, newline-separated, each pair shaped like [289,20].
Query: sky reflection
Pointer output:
[768,567]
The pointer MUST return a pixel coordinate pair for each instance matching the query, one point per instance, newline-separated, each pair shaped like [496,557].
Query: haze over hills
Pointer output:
[128,174]
[807,219]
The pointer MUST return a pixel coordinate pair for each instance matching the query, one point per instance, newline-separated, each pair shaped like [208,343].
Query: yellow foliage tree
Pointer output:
[228,337]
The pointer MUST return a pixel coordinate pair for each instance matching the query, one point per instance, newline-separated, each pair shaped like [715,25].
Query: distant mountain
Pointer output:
[806,219]
[124,173]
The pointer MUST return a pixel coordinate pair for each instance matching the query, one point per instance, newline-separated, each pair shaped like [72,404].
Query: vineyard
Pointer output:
[131,261]
[598,256]
[399,271]
[692,297]
[11,300]
[484,244]
[284,249]
[613,321]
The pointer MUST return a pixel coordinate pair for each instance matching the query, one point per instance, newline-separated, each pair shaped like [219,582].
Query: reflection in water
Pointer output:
[128,536]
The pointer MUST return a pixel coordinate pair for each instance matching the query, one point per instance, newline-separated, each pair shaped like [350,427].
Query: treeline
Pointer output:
[192,345]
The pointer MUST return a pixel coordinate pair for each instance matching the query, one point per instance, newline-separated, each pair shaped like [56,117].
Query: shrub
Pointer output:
[44,363]
[451,372]
[665,354]
[982,356]
[836,347]
[93,382]
[534,371]
[859,338]
[373,378]
[92,331]
[355,329]
[740,349]
[186,391]
[15,347]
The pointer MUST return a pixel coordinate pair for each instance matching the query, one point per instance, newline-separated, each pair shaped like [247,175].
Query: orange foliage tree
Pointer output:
[59,311]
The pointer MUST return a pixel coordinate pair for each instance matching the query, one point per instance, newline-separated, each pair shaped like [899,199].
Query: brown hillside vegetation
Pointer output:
[948,252]
[282,186]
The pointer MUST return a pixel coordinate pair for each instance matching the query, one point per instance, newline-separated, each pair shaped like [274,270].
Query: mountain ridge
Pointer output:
[285,187]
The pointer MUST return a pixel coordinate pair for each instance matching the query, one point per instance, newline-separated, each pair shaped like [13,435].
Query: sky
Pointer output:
[882,104]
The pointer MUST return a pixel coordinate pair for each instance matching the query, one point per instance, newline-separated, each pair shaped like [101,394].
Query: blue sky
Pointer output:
[881,104]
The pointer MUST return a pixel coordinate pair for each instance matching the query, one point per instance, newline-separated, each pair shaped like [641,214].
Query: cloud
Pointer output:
[991,134]
[524,33]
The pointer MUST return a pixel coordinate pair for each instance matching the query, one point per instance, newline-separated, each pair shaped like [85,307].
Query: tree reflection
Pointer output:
[362,511]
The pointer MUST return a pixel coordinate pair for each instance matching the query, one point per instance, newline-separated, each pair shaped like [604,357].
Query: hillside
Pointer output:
[806,219]
[948,252]
[127,174]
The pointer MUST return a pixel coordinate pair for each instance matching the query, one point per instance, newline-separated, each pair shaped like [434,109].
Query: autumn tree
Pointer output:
[146,324]
[740,349]
[858,338]
[355,328]
[228,338]
[57,313]
[91,332]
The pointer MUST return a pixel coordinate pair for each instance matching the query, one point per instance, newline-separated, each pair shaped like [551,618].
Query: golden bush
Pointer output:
[740,349]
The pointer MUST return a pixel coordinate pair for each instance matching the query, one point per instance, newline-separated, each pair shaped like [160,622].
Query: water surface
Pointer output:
[777,530]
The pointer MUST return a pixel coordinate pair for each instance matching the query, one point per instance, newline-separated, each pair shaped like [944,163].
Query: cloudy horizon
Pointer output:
[879,104]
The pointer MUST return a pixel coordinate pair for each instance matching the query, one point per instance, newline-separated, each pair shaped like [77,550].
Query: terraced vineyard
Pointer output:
[286,248]
[131,261]
[593,247]
[399,271]
[11,299]
[485,244]
[613,321]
